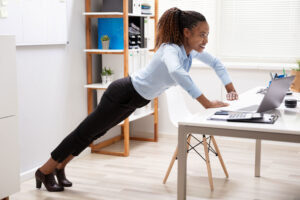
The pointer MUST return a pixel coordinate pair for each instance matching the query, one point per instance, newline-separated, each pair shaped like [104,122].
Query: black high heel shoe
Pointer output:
[48,181]
[61,177]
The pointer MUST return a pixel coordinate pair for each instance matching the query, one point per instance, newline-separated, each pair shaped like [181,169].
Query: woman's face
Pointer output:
[196,38]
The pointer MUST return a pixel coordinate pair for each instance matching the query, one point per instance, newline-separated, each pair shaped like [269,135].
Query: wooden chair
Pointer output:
[178,110]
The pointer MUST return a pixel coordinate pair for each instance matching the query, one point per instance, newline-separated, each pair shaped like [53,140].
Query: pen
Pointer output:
[271,75]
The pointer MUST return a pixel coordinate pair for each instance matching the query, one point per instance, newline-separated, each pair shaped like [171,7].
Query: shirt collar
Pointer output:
[184,53]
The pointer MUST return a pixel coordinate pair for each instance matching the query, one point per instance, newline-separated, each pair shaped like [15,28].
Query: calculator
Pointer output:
[240,116]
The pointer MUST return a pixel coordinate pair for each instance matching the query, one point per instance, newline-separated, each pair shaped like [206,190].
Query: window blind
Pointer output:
[259,30]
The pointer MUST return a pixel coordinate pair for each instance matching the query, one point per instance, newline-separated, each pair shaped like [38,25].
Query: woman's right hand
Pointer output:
[210,104]
[216,104]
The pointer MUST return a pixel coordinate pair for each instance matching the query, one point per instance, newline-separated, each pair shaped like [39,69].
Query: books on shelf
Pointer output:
[137,60]
[135,7]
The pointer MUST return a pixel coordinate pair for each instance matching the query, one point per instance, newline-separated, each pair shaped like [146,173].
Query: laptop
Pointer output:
[272,99]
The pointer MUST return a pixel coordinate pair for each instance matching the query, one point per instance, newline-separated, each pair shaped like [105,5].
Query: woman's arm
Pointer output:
[220,71]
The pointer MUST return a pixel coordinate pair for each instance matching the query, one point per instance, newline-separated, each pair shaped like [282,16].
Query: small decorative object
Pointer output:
[107,75]
[296,83]
[105,42]
[103,76]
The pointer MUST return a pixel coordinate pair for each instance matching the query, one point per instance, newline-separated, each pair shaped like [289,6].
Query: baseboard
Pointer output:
[27,175]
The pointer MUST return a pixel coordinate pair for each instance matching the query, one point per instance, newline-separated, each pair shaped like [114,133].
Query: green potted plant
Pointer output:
[296,83]
[104,76]
[105,42]
[107,75]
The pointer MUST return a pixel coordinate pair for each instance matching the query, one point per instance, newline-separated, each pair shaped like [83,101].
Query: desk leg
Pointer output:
[257,158]
[181,156]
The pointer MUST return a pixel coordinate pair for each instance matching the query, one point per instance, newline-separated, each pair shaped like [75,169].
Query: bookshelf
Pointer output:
[92,87]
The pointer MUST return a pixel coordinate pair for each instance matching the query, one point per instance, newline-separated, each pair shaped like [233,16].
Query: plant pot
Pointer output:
[295,87]
[105,44]
[104,79]
[109,79]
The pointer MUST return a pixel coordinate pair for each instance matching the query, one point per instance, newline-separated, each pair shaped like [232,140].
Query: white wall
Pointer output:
[52,99]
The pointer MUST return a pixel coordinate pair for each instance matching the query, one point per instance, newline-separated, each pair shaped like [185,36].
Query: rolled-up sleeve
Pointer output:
[215,64]
[171,58]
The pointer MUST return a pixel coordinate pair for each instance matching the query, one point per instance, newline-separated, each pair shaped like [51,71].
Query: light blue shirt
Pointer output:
[170,66]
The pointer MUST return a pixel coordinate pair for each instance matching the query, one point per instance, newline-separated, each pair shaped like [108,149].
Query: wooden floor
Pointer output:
[140,176]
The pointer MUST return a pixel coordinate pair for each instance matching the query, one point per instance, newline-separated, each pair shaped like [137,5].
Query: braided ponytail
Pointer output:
[171,24]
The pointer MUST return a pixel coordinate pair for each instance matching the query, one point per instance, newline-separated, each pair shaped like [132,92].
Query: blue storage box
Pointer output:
[113,27]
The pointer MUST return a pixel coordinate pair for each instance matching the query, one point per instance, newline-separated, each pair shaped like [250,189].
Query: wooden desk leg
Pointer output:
[181,172]
[257,158]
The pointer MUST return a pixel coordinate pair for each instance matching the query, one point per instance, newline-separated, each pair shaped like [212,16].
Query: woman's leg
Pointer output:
[63,164]
[98,122]
[118,102]
[49,166]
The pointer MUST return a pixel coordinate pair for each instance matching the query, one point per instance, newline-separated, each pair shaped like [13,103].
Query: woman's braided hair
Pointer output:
[171,24]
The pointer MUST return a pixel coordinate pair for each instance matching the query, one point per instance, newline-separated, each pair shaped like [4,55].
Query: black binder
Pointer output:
[267,119]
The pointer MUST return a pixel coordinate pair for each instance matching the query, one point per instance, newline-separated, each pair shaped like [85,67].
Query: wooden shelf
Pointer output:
[104,51]
[113,15]
[114,51]
[97,86]
[124,135]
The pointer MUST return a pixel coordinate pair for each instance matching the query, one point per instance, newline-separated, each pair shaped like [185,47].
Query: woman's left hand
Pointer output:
[231,96]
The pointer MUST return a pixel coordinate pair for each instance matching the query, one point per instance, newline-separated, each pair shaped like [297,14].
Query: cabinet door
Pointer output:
[8,76]
[9,155]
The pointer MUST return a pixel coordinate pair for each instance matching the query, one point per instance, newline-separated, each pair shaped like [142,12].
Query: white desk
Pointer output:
[286,129]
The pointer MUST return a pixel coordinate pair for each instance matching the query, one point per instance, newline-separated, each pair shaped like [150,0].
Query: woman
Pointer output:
[182,35]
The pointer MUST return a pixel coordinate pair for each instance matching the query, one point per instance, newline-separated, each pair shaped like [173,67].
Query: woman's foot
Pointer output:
[48,181]
[61,177]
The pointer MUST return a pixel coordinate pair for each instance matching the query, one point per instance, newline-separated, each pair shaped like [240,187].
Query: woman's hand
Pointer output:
[210,104]
[231,96]
[216,104]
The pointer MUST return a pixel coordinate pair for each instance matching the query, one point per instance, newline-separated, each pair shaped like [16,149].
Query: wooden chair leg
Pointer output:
[208,164]
[219,155]
[170,165]
[172,162]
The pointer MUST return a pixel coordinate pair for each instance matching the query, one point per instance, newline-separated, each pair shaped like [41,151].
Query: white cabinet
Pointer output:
[9,141]
[9,155]
[8,76]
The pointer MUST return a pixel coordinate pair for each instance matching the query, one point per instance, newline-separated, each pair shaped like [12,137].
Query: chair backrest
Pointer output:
[177,108]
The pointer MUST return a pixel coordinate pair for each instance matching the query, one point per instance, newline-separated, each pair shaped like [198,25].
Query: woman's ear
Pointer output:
[186,32]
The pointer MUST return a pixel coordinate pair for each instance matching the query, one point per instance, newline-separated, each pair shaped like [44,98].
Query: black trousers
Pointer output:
[117,103]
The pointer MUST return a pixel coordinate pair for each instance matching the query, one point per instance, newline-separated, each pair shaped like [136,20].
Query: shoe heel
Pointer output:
[38,183]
